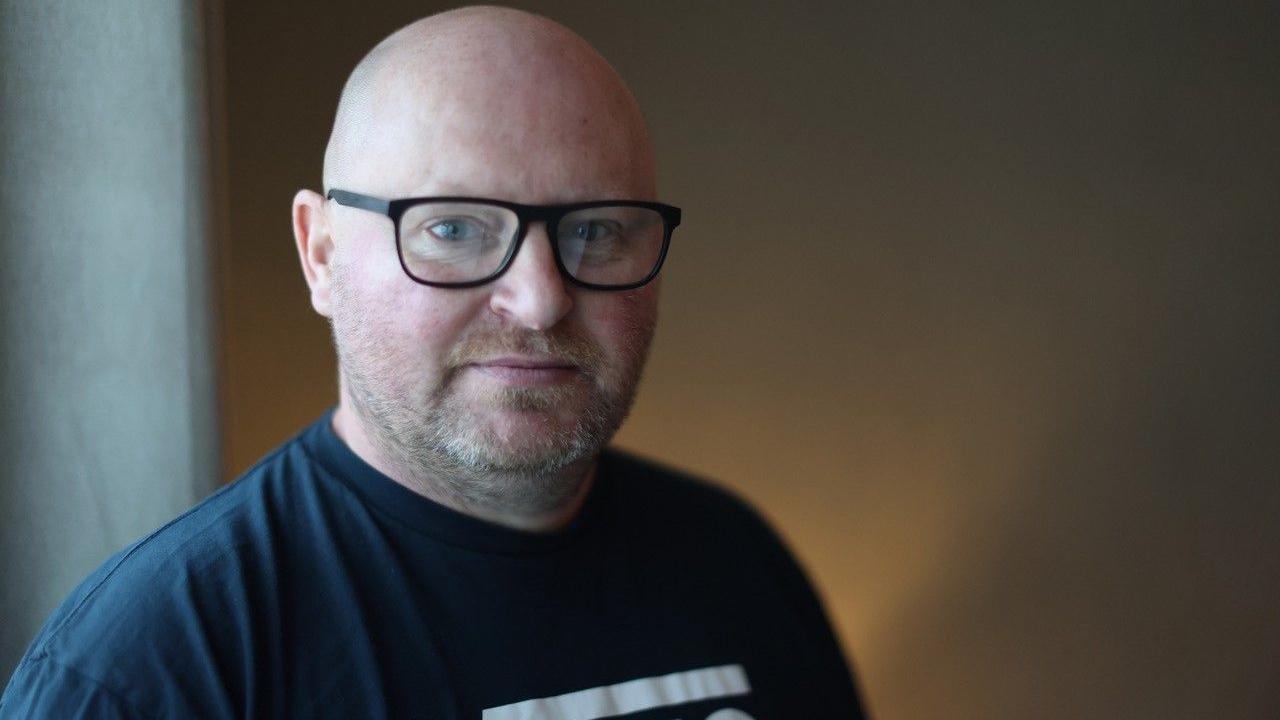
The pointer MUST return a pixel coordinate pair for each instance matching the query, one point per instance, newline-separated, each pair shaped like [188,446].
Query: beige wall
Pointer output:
[979,305]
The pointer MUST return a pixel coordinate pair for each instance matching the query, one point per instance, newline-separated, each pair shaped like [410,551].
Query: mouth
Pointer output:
[527,370]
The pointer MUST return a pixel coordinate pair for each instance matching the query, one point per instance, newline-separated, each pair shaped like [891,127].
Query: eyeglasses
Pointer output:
[460,242]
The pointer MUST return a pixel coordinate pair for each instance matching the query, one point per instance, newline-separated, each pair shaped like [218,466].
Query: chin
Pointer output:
[526,441]
[523,457]
[526,431]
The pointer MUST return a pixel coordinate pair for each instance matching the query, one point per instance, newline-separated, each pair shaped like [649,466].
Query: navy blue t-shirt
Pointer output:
[316,587]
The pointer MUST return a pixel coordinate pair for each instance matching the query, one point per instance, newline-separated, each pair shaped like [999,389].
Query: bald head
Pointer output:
[490,86]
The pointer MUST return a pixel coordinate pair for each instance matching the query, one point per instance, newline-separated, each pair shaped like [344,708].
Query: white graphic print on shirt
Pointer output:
[632,696]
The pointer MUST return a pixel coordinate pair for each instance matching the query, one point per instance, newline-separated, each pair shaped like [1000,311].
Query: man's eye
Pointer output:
[455,230]
[592,230]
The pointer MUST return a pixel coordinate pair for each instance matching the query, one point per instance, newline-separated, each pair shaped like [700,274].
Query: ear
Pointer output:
[315,246]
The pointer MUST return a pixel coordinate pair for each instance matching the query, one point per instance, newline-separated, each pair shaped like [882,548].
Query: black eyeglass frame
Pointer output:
[550,215]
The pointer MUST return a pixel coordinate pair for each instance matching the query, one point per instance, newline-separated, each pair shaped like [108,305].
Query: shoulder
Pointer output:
[650,492]
[644,480]
[183,596]
[729,551]
[669,510]
[217,537]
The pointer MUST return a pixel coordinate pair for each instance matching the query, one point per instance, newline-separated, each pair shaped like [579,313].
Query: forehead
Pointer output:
[535,135]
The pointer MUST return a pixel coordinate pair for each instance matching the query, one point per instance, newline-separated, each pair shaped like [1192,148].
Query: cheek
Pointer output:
[433,320]
[394,324]
[622,323]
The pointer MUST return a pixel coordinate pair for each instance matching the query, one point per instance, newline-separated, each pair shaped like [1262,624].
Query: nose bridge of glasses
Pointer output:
[544,215]
[532,220]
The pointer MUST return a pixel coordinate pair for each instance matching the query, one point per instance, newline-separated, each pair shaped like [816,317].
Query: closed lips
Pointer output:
[527,363]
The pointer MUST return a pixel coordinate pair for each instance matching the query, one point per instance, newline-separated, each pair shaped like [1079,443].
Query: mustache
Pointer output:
[481,345]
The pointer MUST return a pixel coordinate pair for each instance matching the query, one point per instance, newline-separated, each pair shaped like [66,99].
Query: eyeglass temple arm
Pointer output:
[356,200]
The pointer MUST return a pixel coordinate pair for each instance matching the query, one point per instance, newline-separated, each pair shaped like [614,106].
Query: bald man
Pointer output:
[454,540]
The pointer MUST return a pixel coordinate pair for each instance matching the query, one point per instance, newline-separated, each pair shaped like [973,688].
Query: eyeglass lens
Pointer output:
[459,242]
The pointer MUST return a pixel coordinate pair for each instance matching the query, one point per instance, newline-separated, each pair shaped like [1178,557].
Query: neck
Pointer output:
[498,508]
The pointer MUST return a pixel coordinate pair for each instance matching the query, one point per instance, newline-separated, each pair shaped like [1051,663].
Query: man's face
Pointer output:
[528,373]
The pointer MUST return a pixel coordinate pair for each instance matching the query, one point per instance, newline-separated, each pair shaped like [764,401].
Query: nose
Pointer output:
[531,293]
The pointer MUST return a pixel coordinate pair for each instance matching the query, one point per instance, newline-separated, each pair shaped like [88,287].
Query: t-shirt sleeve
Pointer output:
[44,688]
[835,692]
[828,659]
